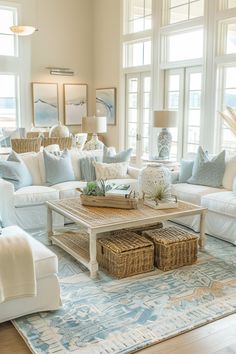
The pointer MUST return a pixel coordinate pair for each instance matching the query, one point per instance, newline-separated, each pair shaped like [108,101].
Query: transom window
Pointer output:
[137,53]
[138,15]
[8,41]
[183,10]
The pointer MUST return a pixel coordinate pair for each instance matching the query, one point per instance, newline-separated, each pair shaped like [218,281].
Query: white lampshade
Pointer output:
[164,119]
[94,125]
[23,30]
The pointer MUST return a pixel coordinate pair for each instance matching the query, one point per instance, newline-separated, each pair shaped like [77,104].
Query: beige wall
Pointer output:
[106,58]
[83,35]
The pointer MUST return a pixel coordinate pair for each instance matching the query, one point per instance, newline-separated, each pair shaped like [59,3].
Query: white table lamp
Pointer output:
[94,125]
[164,120]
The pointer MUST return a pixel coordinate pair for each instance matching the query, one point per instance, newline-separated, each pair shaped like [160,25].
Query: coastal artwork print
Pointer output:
[106,104]
[75,103]
[45,104]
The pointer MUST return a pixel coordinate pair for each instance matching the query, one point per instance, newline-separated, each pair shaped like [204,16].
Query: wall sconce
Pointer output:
[60,71]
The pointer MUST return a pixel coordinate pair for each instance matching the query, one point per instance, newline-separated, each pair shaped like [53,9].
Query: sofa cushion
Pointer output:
[76,155]
[222,203]
[110,157]
[208,172]
[15,171]
[34,195]
[68,189]
[58,168]
[230,173]
[45,261]
[31,159]
[192,193]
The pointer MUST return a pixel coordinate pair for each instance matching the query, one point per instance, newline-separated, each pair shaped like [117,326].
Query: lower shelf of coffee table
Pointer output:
[74,243]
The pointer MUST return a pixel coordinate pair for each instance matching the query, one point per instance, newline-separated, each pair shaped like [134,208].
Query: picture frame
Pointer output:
[75,103]
[45,104]
[106,104]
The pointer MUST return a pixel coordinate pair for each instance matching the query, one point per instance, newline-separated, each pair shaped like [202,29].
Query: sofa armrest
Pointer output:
[7,209]
[134,172]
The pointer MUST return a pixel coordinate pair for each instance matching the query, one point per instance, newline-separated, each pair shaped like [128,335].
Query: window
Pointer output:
[137,53]
[8,40]
[228,98]
[8,101]
[183,10]
[183,93]
[138,113]
[185,46]
[138,15]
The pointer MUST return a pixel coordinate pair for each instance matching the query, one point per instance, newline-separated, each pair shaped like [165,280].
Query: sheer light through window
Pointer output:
[183,10]
[8,111]
[7,38]
[139,15]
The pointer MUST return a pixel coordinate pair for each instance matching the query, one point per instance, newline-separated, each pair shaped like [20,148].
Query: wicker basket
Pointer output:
[125,254]
[64,143]
[174,247]
[140,229]
[26,145]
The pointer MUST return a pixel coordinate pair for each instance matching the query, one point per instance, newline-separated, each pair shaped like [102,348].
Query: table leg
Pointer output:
[202,239]
[93,264]
[49,224]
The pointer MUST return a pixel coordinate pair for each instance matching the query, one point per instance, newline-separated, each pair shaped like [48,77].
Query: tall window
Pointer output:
[8,41]
[8,102]
[137,60]
[9,93]
[138,111]
[183,10]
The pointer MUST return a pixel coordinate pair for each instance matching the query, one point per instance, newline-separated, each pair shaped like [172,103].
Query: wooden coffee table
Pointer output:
[97,220]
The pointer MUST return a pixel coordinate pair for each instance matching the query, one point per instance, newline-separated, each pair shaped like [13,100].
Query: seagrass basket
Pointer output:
[26,145]
[64,143]
[173,247]
[125,253]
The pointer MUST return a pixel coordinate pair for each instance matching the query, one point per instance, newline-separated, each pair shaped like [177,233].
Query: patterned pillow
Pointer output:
[111,170]
[208,172]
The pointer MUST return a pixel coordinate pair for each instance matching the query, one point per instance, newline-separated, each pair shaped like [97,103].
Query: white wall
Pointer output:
[106,55]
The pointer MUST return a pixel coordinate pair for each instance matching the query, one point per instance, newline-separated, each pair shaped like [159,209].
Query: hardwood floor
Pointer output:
[218,337]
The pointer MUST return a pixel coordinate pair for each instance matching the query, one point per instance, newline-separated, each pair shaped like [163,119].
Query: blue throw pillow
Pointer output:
[14,170]
[186,168]
[58,169]
[87,169]
[122,156]
[208,172]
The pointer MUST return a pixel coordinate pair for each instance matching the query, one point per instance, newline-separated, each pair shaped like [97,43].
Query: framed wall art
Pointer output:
[75,103]
[106,104]
[45,104]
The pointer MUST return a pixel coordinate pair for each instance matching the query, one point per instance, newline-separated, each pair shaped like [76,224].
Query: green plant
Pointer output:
[159,192]
[97,188]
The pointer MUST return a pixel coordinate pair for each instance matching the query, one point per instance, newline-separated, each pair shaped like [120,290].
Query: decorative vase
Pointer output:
[154,175]
[59,131]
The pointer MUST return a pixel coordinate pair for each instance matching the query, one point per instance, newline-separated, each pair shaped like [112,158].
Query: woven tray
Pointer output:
[125,253]
[174,247]
[113,201]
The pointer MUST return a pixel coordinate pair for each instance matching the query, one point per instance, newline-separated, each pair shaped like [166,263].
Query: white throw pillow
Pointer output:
[230,173]
[31,159]
[111,170]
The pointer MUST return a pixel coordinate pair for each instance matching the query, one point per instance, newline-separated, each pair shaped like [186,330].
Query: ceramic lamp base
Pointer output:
[94,144]
[164,144]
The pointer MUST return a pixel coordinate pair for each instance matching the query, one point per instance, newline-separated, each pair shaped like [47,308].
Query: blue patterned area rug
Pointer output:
[107,316]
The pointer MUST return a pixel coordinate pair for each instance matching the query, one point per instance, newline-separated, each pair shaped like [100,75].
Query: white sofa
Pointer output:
[48,290]
[220,202]
[26,206]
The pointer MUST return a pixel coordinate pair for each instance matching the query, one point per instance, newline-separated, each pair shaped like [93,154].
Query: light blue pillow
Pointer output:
[14,170]
[122,156]
[186,168]
[208,172]
[58,169]
[87,169]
